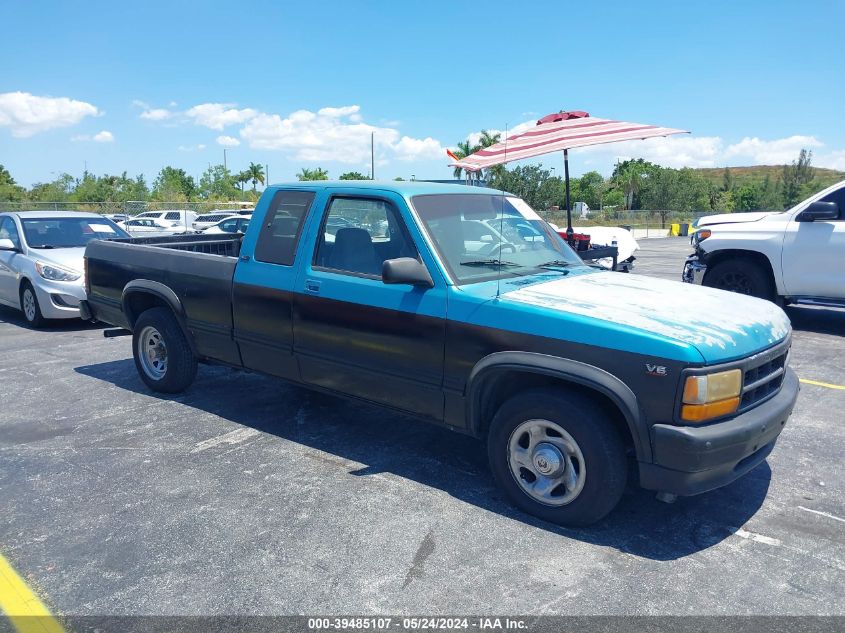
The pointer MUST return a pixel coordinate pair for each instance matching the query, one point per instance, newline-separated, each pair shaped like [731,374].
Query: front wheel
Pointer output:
[557,455]
[30,306]
[742,276]
[163,356]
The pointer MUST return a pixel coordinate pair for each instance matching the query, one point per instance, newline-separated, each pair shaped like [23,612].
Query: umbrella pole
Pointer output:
[569,231]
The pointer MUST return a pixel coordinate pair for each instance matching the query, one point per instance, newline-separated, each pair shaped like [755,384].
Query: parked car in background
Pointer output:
[207,220]
[245,211]
[174,217]
[235,224]
[41,260]
[118,217]
[146,227]
[794,256]
[573,376]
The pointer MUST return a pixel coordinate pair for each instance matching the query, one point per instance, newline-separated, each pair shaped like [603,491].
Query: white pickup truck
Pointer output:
[796,256]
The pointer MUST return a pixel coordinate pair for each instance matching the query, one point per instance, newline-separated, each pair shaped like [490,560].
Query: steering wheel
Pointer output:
[493,248]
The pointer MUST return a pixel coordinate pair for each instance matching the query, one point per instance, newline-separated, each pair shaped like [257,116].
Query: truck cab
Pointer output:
[791,257]
[417,297]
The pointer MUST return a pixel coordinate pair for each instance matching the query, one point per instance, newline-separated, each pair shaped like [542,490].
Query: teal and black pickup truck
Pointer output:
[461,306]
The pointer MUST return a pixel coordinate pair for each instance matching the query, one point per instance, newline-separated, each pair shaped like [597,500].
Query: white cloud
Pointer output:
[831,160]
[416,149]
[777,152]
[27,114]
[103,136]
[333,134]
[156,114]
[191,148]
[216,116]
[670,151]
[228,141]
[140,104]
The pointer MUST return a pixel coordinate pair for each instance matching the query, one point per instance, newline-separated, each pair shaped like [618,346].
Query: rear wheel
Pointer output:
[30,307]
[742,276]
[163,356]
[557,455]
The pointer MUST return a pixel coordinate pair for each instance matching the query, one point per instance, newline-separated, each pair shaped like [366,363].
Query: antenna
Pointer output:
[502,222]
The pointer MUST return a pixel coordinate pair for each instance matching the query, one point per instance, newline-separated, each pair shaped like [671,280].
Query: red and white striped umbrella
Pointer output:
[559,132]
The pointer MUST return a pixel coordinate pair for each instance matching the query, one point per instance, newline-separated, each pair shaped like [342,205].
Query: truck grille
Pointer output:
[762,381]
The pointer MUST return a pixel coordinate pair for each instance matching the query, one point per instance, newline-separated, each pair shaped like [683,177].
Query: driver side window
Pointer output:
[9,231]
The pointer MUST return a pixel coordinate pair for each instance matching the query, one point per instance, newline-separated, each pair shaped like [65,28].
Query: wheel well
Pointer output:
[136,303]
[504,384]
[717,257]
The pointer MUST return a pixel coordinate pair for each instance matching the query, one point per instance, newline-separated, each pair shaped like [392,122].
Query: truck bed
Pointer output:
[192,271]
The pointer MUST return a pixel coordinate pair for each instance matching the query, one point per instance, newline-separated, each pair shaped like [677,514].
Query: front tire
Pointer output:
[557,455]
[30,307]
[742,276]
[163,356]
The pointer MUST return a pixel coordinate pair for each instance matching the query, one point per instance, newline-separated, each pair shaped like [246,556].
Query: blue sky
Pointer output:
[135,86]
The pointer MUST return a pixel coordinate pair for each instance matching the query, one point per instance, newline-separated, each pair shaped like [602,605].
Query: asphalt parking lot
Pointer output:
[248,496]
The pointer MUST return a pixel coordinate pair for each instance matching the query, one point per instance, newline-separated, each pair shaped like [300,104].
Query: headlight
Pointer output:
[701,234]
[56,273]
[711,395]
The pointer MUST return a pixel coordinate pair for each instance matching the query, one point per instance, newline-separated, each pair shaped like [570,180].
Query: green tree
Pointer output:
[630,177]
[256,174]
[353,175]
[58,190]
[241,178]
[216,183]
[174,185]
[747,197]
[463,150]
[727,180]
[589,189]
[796,178]
[10,191]
[317,173]
[532,183]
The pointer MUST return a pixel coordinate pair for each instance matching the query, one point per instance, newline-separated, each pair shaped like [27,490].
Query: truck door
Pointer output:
[263,285]
[813,253]
[353,333]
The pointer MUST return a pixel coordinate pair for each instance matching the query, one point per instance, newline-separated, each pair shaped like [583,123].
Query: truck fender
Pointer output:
[162,292]
[566,370]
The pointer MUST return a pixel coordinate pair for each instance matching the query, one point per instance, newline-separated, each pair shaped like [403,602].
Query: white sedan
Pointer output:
[42,260]
[149,227]
[235,224]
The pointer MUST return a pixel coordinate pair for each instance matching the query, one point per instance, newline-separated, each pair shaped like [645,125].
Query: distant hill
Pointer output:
[756,174]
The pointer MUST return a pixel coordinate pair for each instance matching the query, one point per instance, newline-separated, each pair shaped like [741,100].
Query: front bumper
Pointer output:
[59,299]
[694,270]
[691,460]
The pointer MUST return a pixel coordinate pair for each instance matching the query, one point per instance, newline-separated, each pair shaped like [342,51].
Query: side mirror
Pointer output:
[819,211]
[7,245]
[406,270]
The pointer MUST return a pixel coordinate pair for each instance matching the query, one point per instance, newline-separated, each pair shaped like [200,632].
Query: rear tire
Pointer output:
[30,306]
[571,439]
[742,276]
[163,356]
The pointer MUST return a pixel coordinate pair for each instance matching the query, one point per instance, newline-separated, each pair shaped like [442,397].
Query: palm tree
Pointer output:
[255,173]
[464,150]
[485,141]
[312,174]
[241,178]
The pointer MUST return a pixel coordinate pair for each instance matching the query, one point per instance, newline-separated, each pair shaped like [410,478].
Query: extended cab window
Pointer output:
[282,227]
[173,215]
[359,234]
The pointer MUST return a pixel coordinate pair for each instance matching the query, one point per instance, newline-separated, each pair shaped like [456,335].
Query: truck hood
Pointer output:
[722,326]
[734,218]
[73,258]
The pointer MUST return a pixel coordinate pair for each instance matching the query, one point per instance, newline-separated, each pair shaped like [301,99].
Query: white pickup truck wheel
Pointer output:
[742,276]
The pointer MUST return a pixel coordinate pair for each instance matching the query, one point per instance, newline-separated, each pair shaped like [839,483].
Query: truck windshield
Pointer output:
[68,232]
[486,236]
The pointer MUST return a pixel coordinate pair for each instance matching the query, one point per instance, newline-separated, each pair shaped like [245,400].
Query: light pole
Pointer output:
[224,159]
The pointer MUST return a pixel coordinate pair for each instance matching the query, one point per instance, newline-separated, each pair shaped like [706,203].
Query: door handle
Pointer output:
[312,286]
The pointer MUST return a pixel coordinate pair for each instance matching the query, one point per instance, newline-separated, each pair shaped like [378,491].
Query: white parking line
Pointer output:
[232,437]
[824,514]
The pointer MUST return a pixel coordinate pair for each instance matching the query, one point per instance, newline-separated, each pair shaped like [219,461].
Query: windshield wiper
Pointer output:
[42,246]
[489,262]
[556,263]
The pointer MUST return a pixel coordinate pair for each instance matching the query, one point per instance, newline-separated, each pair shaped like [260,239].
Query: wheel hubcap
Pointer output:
[736,282]
[152,352]
[29,304]
[546,462]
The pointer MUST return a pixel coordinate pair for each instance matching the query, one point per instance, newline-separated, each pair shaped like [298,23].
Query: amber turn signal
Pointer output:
[702,412]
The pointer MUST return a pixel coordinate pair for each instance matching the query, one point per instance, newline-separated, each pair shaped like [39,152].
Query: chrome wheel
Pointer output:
[152,352]
[29,307]
[546,462]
